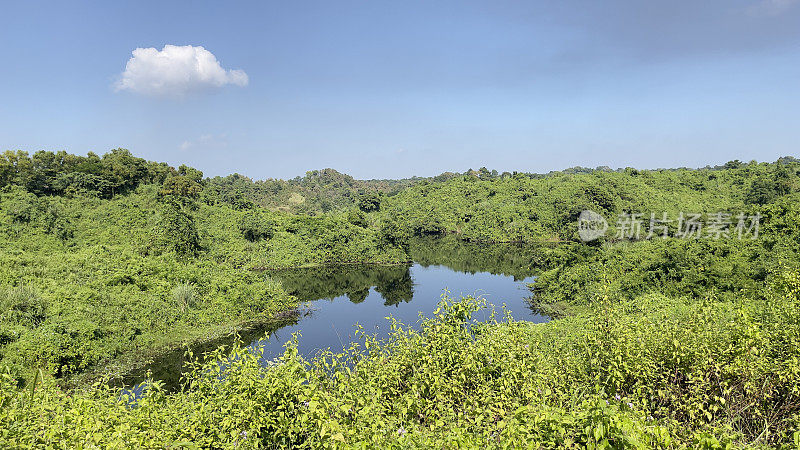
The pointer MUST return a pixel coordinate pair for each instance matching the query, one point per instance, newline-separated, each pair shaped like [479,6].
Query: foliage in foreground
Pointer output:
[651,373]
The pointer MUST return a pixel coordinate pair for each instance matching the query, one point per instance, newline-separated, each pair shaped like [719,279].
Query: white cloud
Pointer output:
[206,141]
[176,71]
[771,7]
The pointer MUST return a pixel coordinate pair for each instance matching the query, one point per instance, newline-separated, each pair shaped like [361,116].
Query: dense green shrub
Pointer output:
[22,305]
[20,206]
[61,348]
[175,230]
[534,208]
[255,226]
[653,373]
[369,202]
[55,222]
[106,269]
[181,187]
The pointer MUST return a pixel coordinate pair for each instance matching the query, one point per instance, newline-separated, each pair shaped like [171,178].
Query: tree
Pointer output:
[17,167]
[190,173]
[79,183]
[45,168]
[181,187]
[159,172]
[601,196]
[90,164]
[369,201]
[7,171]
[175,230]
[735,164]
[391,232]
[123,170]
[766,188]
[357,218]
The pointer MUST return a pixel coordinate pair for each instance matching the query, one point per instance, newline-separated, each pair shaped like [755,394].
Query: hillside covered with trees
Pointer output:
[656,342]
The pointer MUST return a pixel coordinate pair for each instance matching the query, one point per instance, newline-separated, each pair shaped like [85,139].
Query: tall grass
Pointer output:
[184,296]
[22,305]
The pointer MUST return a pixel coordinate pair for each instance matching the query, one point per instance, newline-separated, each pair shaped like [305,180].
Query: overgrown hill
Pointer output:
[662,342]
[319,191]
[530,207]
[112,257]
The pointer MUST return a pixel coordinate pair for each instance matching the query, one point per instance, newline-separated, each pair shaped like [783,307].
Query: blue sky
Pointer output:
[394,89]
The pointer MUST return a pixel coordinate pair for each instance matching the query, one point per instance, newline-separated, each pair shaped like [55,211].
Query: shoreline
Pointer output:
[121,367]
[117,369]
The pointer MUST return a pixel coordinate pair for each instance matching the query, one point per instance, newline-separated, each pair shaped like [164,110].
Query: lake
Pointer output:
[336,298]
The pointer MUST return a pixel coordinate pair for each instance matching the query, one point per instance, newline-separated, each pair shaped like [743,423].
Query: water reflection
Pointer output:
[339,297]
[516,260]
[393,283]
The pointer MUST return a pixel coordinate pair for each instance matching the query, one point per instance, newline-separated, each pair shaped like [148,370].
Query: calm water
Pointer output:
[367,295]
[337,298]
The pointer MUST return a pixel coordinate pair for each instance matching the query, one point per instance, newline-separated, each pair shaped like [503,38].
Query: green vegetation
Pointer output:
[319,191]
[145,260]
[646,374]
[541,208]
[660,343]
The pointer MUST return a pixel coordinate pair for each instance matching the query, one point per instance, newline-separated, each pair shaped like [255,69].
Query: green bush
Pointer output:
[255,226]
[22,305]
[20,206]
[651,373]
[181,187]
[175,230]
